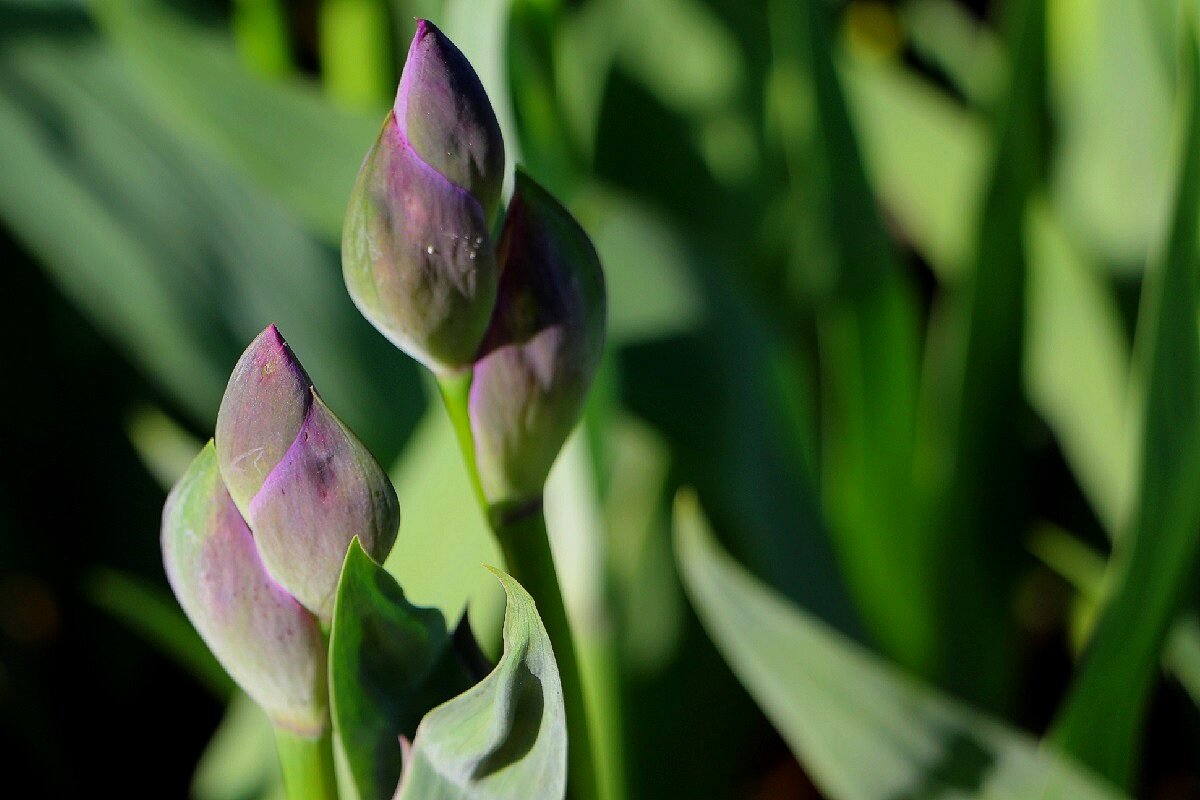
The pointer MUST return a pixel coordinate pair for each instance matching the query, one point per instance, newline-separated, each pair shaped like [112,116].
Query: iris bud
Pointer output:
[416,251]
[267,642]
[304,482]
[541,349]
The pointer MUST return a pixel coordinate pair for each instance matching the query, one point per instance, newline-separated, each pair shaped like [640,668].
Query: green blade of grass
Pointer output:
[978,515]
[868,344]
[1101,720]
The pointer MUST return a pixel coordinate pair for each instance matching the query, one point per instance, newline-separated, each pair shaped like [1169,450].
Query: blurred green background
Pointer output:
[875,275]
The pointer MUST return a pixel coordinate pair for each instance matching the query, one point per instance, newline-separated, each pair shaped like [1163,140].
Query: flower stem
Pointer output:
[526,547]
[525,544]
[307,763]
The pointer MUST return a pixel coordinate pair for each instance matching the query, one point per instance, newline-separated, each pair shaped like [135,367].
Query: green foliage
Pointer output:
[389,661]
[864,729]
[1153,560]
[506,736]
[873,272]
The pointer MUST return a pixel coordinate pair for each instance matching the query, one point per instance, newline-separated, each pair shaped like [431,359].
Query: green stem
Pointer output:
[525,544]
[455,389]
[308,771]
[526,547]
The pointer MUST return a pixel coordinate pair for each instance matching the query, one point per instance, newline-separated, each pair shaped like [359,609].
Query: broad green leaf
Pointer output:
[1077,364]
[506,737]
[867,336]
[154,614]
[389,663]
[862,729]
[1153,561]
[166,250]
[977,508]
[283,134]
[443,537]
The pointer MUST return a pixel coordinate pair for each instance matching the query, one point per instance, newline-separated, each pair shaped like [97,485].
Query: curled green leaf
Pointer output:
[505,738]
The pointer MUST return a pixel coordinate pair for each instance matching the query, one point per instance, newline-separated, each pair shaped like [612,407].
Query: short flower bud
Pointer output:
[541,349]
[302,480]
[268,643]
[416,251]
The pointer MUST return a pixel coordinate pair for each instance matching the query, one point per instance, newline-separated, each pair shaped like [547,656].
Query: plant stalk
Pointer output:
[525,544]
[307,764]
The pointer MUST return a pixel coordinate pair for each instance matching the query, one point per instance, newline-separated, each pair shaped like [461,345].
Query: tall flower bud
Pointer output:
[304,482]
[541,349]
[268,643]
[416,253]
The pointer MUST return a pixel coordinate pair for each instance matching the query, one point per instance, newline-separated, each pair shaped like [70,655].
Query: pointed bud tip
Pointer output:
[265,403]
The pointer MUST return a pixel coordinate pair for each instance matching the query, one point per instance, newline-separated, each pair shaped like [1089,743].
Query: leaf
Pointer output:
[154,614]
[1077,364]
[282,134]
[389,663]
[442,525]
[867,337]
[927,158]
[1112,98]
[1153,561]
[507,736]
[862,730]
[166,250]
[977,494]
[163,446]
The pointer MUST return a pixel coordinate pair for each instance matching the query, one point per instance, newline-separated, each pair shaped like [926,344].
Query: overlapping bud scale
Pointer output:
[416,251]
[300,478]
[268,643]
[541,349]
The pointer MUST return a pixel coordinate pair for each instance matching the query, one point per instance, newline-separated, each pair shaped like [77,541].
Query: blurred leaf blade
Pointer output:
[977,503]
[1153,559]
[283,134]
[172,254]
[867,333]
[1077,364]
[863,730]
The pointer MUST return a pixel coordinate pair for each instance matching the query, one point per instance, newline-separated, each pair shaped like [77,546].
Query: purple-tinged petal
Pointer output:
[326,490]
[417,256]
[264,406]
[541,349]
[267,642]
[444,113]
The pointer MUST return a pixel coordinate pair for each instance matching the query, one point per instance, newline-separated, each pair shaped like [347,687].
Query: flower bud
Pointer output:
[302,480]
[267,642]
[541,349]
[416,251]
[442,109]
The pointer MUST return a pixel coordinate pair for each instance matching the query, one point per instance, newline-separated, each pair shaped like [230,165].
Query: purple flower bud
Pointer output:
[302,480]
[444,112]
[267,642]
[326,490]
[541,349]
[416,251]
